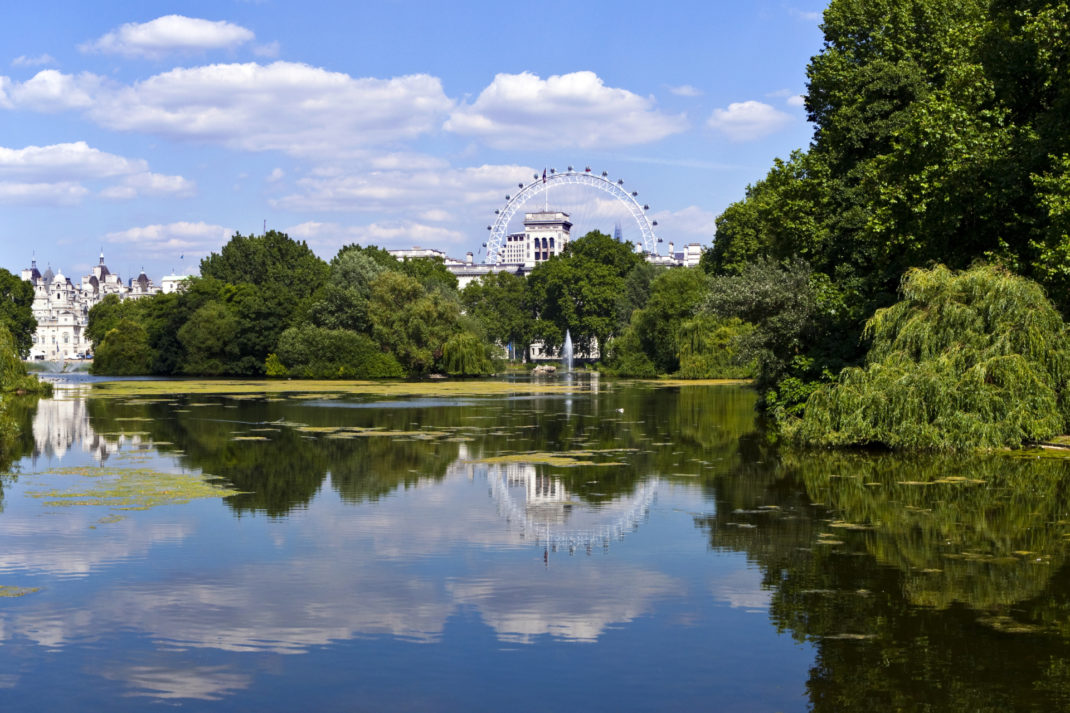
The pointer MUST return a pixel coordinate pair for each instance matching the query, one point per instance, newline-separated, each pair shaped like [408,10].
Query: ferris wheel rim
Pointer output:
[495,251]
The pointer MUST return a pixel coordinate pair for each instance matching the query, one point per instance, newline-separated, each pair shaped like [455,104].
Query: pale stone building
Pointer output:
[61,307]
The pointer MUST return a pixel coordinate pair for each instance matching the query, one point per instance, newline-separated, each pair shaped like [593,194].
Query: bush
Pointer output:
[973,359]
[317,353]
[707,348]
[125,351]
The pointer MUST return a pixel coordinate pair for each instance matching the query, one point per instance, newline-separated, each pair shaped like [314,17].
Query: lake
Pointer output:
[575,544]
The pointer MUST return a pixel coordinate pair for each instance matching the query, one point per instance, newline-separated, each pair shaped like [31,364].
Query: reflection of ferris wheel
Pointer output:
[538,517]
[572,194]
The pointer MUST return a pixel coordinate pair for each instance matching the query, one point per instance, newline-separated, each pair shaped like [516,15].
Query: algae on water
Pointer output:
[131,488]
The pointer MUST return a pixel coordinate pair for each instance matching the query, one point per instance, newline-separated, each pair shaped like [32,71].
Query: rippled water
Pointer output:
[623,547]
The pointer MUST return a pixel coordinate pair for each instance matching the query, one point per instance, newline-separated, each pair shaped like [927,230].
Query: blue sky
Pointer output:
[154,130]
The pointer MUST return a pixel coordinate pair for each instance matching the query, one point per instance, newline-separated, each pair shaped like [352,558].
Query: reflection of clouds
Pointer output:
[204,683]
[283,608]
[63,546]
[742,589]
[578,602]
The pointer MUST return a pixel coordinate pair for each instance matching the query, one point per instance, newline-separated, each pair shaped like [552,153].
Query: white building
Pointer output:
[62,307]
[546,233]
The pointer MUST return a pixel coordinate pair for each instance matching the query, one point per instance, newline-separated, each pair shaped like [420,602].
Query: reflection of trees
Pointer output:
[935,605]
[16,435]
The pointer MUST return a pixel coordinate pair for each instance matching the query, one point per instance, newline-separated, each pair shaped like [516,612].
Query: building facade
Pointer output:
[61,307]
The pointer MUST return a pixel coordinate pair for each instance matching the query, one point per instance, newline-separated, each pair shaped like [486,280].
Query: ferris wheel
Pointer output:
[593,201]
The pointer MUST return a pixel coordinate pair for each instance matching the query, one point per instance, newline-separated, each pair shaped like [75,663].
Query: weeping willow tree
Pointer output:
[464,354]
[972,359]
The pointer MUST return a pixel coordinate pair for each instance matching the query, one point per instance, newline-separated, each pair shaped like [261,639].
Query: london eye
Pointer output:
[593,200]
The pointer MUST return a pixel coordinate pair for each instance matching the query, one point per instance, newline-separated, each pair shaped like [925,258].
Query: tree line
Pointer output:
[266,305]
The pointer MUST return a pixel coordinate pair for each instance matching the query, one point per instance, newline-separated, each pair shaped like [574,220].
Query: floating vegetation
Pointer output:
[849,525]
[10,592]
[562,460]
[1008,625]
[250,438]
[131,488]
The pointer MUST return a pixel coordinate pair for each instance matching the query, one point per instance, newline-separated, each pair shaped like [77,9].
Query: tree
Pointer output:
[124,351]
[342,303]
[318,353]
[13,375]
[979,358]
[16,313]
[209,339]
[499,302]
[105,316]
[411,322]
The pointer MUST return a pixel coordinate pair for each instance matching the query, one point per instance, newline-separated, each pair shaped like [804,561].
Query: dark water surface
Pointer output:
[624,547]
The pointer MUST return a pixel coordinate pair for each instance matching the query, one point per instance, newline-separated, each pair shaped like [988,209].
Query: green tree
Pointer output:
[499,301]
[318,353]
[209,338]
[411,322]
[13,375]
[124,351]
[16,302]
[973,359]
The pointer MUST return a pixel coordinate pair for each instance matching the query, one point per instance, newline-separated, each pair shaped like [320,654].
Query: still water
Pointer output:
[617,547]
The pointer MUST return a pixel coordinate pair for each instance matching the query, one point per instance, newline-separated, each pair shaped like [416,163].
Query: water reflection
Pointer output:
[922,583]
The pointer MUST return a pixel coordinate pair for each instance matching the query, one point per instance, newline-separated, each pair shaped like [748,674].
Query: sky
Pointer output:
[154,130]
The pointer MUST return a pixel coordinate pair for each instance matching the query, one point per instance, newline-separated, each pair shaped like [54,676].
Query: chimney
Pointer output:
[672,250]
[468,257]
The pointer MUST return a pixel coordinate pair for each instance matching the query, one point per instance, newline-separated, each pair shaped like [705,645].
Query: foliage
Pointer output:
[273,261]
[979,358]
[707,348]
[210,340]
[13,375]
[500,303]
[342,302]
[105,316]
[411,322]
[124,351]
[578,291]
[319,353]
[16,302]
[464,354]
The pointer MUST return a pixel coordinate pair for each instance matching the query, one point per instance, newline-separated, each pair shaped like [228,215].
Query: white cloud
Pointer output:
[50,90]
[282,106]
[749,120]
[64,166]
[568,110]
[170,33]
[686,90]
[58,193]
[328,237]
[195,238]
[41,59]
[275,175]
[407,191]
[75,160]
[796,101]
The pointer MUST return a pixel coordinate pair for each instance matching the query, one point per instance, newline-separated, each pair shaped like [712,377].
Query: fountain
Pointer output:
[566,352]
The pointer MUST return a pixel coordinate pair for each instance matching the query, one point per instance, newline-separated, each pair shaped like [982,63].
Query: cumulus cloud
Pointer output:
[49,91]
[275,175]
[686,90]
[401,190]
[196,238]
[749,120]
[796,100]
[283,106]
[568,110]
[168,34]
[269,50]
[25,61]
[54,174]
